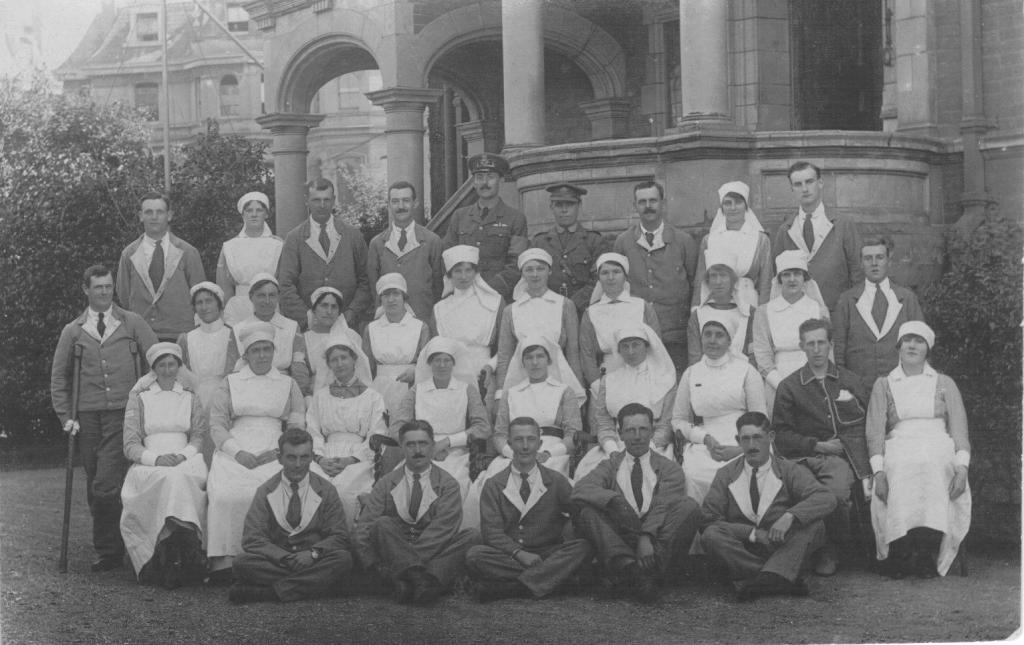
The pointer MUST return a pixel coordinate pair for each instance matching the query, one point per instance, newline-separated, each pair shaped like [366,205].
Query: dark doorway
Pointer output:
[837,64]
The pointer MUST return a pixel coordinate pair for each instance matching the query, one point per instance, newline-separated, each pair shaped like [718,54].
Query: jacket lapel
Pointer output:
[171,260]
[138,260]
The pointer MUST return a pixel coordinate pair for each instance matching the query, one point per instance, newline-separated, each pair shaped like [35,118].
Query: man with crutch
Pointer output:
[112,342]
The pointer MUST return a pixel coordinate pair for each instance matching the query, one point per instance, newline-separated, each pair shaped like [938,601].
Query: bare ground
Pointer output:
[40,605]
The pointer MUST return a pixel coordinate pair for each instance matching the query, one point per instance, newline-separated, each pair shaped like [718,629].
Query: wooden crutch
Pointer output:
[69,472]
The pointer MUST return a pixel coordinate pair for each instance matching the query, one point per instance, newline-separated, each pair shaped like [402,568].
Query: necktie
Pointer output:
[524,489]
[416,498]
[808,233]
[636,478]
[755,494]
[403,239]
[483,213]
[325,241]
[294,514]
[101,327]
[879,307]
[650,239]
[156,266]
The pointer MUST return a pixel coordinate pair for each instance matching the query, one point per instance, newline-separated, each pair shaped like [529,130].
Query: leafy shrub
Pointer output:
[362,201]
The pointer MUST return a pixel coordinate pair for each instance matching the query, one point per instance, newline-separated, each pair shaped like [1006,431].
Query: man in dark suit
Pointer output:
[868,316]
[830,240]
[573,248]
[323,251]
[764,515]
[295,542]
[633,508]
[408,531]
[523,515]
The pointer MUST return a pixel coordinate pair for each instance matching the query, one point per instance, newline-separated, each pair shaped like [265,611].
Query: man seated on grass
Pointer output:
[764,516]
[524,510]
[408,531]
[295,542]
[634,509]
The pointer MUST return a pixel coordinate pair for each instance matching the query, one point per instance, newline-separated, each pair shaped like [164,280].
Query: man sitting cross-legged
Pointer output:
[523,515]
[295,543]
[764,515]
[408,531]
[634,508]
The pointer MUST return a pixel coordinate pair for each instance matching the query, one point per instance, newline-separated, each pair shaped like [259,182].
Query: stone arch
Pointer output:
[580,40]
[316,63]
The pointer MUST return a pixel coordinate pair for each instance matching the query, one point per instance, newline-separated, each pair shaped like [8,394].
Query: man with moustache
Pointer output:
[634,510]
[157,271]
[295,542]
[112,343]
[490,224]
[763,516]
[662,262]
[323,251]
[523,514]
[408,531]
[830,241]
[409,249]
[573,248]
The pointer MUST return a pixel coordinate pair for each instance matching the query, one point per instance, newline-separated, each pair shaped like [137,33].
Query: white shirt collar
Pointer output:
[898,374]
[151,243]
[424,476]
[869,286]
[525,385]
[95,315]
[212,327]
[817,213]
[657,232]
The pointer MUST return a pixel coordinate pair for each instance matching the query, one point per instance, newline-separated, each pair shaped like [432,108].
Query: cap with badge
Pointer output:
[566,192]
[488,162]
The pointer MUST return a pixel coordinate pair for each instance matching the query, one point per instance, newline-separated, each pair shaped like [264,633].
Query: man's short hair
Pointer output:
[401,185]
[644,185]
[155,195]
[293,437]
[804,165]
[754,418]
[633,409]
[320,184]
[95,271]
[413,426]
[524,422]
[877,240]
[815,323]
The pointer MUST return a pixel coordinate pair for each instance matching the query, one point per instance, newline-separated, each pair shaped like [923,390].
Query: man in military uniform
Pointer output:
[573,248]
[490,224]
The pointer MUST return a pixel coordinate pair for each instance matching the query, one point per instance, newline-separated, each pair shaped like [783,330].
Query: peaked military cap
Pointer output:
[565,192]
[488,162]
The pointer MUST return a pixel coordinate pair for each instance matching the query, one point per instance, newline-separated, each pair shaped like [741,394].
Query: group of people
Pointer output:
[555,400]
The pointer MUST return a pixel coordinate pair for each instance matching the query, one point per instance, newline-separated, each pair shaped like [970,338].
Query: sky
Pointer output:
[61,25]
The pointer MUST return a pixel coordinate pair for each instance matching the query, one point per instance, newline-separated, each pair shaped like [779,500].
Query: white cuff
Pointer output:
[877,463]
[498,394]
[773,378]
[609,447]
[753,535]
[189,451]
[557,450]
[507,451]
[695,435]
[230,447]
[962,458]
[457,440]
[148,458]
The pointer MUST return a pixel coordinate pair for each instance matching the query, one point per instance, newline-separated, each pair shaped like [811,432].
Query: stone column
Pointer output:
[914,50]
[289,150]
[522,48]
[403,127]
[609,118]
[480,136]
[703,41]
[973,124]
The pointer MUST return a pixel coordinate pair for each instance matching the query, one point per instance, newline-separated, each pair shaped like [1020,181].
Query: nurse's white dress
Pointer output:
[159,422]
[394,347]
[470,316]
[776,338]
[241,258]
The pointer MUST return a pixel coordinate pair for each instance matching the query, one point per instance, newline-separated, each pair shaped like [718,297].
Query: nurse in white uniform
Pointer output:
[164,493]
[342,417]
[325,321]
[246,417]
[253,251]
[210,351]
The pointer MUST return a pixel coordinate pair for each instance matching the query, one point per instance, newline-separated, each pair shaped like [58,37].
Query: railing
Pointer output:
[464,196]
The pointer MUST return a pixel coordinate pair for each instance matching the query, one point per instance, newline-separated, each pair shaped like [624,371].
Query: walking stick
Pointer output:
[69,472]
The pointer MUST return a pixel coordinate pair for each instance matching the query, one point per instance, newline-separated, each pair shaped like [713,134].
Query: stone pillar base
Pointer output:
[609,118]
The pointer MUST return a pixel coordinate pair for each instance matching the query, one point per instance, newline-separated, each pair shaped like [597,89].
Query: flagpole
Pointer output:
[166,107]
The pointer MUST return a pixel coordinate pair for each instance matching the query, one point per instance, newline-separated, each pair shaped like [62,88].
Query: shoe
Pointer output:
[496,590]
[639,585]
[426,588]
[107,563]
[240,593]
[827,563]
[766,583]
[403,592]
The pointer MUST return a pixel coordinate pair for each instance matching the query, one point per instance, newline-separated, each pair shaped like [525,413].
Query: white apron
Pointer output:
[542,317]
[445,411]
[919,465]
[207,357]
[151,494]
[245,257]
[608,318]
[394,349]
[463,318]
[785,330]
[258,406]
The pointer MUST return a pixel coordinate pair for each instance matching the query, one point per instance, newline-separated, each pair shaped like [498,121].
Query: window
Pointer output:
[673,75]
[229,96]
[147,27]
[147,100]
[238,19]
